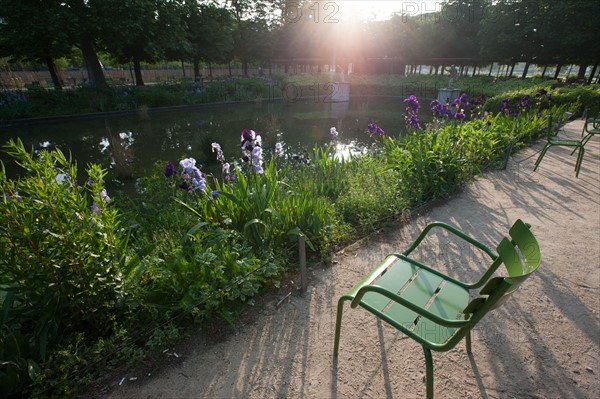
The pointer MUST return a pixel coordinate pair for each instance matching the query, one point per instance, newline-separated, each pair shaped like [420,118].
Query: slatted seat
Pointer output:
[435,309]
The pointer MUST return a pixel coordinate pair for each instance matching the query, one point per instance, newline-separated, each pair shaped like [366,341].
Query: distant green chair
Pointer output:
[552,132]
[591,127]
[432,308]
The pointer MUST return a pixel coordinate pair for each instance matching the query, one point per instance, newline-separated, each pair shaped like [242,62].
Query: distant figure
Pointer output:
[453,75]
[341,70]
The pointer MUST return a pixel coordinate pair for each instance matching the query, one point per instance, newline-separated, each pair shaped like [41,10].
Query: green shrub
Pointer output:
[61,261]
[575,98]
[432,163]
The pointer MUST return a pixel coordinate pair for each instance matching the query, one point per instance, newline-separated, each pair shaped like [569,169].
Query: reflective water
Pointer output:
[129,146]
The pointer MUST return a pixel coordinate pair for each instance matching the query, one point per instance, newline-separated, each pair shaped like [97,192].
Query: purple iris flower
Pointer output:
[436,108]
[460,115]
[188,164]
[525,103]
[375,130]
[170,170]
[412,104]
[413,121]
[217,148]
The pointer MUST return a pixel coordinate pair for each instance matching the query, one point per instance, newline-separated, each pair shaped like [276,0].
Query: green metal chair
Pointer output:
[591,127]
[432,308]
[553,141]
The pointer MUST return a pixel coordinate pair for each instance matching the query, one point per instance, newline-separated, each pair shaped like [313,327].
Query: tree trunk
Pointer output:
[544,70]
[558,67]
[524,75]
[229,68]
[183,68]
[581,73]
[491,68]
[137,69]
[92,64]
[474,70]
[591,78]
[210,71]
[245,67]
[196,69]
[56,75]
[512,69]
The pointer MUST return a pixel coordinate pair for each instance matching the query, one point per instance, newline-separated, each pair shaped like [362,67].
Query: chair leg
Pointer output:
[537,162]
[586,139]
[338,326]
[428,372]
[579,160]
[468,340]
[583,141]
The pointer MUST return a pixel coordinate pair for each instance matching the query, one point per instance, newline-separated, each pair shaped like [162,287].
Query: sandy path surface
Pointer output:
[543,343]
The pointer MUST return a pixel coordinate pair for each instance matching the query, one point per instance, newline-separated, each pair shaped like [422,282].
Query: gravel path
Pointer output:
[543,343]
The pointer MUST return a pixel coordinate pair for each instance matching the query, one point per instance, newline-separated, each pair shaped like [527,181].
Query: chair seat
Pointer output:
[430,291]
[566,143]
[594,130]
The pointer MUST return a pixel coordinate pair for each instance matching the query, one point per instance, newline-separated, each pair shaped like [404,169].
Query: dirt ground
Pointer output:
[543,343]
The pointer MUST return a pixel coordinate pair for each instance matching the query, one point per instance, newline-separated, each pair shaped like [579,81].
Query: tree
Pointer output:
[31,35]
[83,25]
[210,34]
[135,31]
[541,31]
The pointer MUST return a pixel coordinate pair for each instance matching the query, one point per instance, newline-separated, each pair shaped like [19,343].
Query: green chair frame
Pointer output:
[591,127]
[432,308]
[552,132]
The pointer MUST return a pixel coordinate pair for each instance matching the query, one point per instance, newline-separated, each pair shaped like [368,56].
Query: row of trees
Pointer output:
[463,32]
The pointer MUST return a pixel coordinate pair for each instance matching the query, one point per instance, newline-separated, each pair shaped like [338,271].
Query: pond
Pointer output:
[130,146]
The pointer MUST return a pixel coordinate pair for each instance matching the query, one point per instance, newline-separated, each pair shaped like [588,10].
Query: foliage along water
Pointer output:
[146,138]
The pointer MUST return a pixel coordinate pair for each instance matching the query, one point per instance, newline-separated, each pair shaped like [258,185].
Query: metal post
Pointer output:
[303,271]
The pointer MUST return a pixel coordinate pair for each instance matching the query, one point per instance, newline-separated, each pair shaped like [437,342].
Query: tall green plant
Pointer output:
[61,257]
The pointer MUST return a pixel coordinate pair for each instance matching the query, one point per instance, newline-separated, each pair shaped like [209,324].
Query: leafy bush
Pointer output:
[432,163]
[575,98]
[61,263]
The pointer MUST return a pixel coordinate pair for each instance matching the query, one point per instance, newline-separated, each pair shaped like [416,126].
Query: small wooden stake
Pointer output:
[303,271]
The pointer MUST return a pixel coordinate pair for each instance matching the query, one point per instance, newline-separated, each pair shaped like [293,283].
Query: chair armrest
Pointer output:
[493,255]
[415,308]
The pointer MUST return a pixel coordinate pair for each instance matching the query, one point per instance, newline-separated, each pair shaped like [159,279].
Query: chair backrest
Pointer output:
[553,127]
[521,256]
[556,122]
